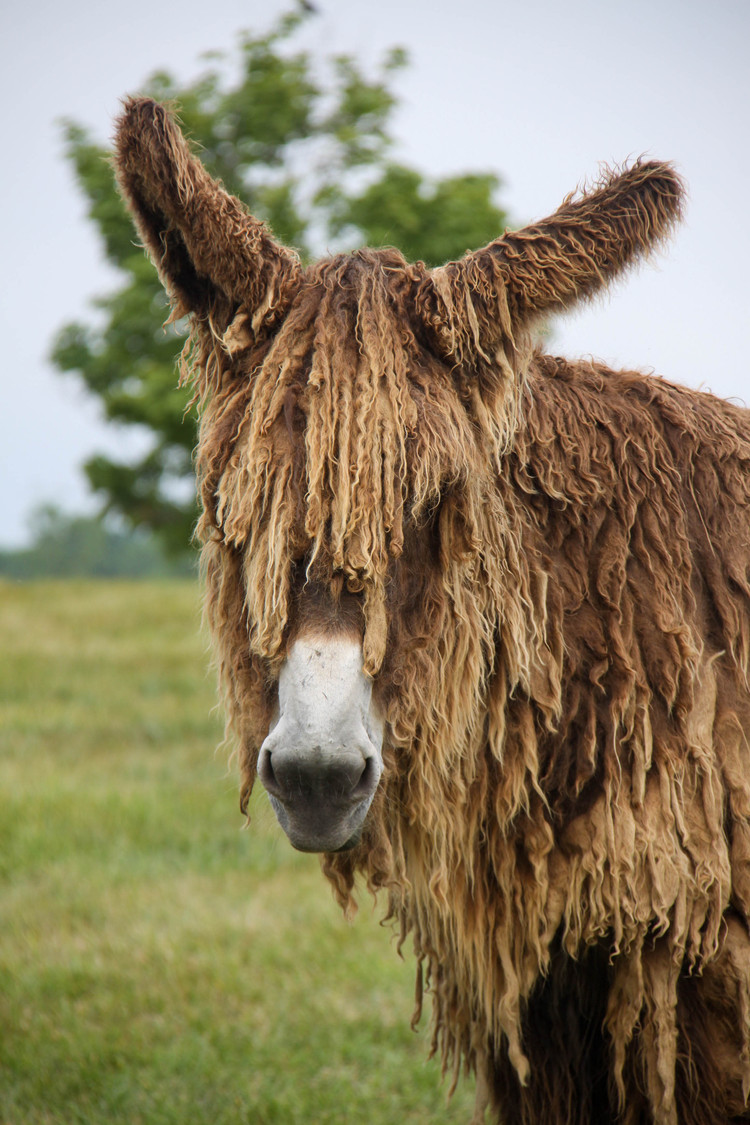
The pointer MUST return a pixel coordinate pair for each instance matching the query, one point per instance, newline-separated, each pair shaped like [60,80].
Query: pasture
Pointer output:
[157,963]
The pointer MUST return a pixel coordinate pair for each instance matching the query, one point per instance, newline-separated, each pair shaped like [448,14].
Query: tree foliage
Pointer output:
[307,144]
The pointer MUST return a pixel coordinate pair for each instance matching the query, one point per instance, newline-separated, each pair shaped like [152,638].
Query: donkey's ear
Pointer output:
[211,254]
[527,274]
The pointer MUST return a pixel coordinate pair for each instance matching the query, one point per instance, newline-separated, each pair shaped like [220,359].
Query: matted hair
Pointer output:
[552,562]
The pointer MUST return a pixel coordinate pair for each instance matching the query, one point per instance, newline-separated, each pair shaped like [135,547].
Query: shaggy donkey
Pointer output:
[482,621]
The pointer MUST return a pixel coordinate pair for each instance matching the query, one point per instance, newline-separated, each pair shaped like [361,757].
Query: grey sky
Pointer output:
[538,91]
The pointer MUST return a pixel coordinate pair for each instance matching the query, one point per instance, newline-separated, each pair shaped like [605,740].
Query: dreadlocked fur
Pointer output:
[550,561]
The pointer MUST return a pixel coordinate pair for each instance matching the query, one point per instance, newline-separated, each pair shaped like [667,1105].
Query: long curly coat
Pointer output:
[551,563]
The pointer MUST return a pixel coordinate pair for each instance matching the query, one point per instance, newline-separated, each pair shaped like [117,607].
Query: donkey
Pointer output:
[482,625]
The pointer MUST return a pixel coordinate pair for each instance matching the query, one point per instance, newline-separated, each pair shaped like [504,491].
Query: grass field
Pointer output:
[158,964]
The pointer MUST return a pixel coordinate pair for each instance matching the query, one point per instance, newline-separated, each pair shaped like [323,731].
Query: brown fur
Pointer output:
[549,564]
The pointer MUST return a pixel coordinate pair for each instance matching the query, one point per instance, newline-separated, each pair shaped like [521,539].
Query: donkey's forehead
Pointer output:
[349,269]
[358,295]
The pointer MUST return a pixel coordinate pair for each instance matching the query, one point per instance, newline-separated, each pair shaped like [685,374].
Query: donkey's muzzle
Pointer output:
[322,761]
[320,798]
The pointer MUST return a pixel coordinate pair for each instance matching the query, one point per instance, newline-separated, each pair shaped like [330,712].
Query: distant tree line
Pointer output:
[71,546]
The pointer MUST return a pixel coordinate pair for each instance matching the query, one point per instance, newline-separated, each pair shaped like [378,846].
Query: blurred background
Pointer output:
[157,965]
[526,99]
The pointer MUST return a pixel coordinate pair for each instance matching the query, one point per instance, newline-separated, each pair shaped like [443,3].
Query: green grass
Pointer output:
[157,964]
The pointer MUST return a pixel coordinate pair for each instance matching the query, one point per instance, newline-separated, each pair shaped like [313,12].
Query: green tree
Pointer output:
[310,155]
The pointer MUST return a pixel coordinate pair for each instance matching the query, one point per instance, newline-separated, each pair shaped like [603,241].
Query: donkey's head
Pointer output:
[360,549]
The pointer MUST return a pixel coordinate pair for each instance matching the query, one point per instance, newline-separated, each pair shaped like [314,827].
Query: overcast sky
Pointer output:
[537,91]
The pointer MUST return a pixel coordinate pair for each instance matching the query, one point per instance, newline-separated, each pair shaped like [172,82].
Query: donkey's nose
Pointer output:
[346,776]
[322,761]
[320,795]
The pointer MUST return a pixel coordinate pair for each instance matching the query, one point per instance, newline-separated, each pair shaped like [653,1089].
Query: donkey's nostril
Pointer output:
[368,780]
[266,774]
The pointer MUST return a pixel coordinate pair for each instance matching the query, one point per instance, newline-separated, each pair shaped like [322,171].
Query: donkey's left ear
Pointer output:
[544,268]
[211,254]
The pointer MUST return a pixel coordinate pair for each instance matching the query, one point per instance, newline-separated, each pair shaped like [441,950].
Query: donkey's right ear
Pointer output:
[526,275]
[212,256]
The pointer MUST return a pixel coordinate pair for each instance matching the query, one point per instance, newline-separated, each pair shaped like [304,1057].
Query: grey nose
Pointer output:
[345,777]
[321,762]
[320,796]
